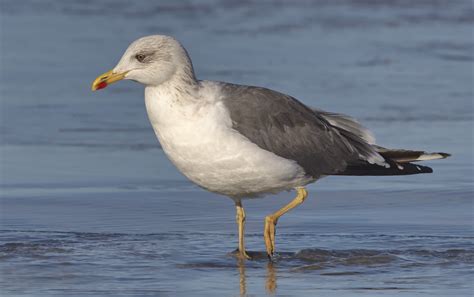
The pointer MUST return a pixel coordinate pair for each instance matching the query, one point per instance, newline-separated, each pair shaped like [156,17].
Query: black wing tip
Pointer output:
[378,170]
[410,168]
[425,169]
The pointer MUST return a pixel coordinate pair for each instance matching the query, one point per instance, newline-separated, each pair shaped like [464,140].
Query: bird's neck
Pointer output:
[181,88]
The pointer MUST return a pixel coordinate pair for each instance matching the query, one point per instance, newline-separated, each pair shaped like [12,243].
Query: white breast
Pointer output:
[196,135]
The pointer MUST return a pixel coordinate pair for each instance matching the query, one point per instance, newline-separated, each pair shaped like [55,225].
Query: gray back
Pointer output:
[281,124]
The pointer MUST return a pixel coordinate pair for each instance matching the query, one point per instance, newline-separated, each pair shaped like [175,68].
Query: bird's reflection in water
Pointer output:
[242,277]
[270,282]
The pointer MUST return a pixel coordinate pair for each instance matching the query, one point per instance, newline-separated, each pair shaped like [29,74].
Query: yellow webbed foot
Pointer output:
[269,235]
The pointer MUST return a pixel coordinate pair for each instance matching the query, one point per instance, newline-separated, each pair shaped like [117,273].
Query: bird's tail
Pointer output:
[407,156]
[399,162]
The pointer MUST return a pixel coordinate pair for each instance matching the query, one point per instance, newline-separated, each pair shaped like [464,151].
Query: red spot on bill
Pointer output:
[101,85]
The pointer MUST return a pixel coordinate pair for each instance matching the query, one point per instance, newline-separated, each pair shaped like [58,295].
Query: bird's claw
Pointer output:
[241,255]
[269,236]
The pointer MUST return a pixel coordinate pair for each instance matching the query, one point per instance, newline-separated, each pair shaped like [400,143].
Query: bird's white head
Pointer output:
[150,60]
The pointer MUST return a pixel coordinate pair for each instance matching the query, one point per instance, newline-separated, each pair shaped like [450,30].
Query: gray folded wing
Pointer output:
[281,124]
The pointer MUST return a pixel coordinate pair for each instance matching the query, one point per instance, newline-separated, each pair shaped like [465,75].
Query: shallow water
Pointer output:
[91,206]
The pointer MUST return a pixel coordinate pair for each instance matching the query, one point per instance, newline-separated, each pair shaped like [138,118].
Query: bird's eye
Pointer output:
[140,57]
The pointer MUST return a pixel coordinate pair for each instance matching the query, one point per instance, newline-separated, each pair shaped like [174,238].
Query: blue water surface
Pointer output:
[90,206]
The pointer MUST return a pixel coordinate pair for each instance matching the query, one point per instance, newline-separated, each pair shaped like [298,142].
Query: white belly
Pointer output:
[201,144]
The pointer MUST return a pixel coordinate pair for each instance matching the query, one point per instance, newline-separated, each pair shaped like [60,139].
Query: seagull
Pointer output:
[245,142]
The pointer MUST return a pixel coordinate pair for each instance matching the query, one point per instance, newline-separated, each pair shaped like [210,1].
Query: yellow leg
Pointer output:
[271,220]
[240,218]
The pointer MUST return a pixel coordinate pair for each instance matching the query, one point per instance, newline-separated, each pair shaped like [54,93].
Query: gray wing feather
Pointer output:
[347,123]
[281,124]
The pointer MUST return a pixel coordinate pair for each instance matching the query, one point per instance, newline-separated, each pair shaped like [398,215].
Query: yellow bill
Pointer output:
[106,79]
